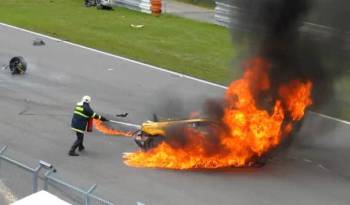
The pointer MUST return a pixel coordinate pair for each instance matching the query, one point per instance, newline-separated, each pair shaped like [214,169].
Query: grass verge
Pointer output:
[199,49]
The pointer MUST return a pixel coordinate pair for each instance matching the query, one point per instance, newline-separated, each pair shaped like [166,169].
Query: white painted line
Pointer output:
[115,56]
[331,118]
[144,64]
[307,160]
[323,167]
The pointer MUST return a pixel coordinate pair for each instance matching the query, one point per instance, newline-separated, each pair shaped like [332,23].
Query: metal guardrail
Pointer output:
[223,13]
[227,13]
[23,180]
[138,5]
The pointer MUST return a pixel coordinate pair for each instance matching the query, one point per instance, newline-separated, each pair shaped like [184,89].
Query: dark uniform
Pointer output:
[82,114]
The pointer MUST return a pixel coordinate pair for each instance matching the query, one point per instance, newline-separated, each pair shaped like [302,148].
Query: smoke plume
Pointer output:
[291,37]
[302,39]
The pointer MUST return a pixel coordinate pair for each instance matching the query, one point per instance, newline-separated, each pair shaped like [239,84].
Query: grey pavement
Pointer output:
[189,11]
[36,111]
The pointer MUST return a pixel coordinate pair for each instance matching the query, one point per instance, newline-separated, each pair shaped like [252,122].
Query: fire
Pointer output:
[297,97]
[247,132]
[100,126]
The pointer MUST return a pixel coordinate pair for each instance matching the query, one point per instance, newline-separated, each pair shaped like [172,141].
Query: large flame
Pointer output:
[100,126]
[248,132]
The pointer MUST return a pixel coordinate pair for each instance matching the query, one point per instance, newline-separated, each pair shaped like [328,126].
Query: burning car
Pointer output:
[154,132]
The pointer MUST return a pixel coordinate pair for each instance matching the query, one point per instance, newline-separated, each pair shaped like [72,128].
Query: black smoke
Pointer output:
[302,39]
[296,42]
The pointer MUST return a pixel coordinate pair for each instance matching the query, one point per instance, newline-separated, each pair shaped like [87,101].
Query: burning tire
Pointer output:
[145,141]
[17,65]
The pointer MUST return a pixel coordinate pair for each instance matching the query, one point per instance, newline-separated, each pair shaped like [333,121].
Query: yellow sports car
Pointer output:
[154,132]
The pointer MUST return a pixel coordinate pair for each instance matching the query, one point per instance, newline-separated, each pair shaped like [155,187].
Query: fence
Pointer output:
[24,180]
[223,13]
[138,5]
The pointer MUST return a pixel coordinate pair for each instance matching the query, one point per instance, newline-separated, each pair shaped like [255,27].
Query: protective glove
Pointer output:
[122,115]
[103,119]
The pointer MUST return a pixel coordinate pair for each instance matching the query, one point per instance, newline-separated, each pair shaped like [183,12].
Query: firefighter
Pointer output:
[81,116]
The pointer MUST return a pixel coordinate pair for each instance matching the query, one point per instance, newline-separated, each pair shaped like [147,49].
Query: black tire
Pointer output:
[18,65]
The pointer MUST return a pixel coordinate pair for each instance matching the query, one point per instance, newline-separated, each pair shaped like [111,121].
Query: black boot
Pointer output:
[72,153]
[81,148]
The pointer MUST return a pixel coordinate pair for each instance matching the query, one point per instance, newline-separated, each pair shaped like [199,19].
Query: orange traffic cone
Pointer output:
[156,7]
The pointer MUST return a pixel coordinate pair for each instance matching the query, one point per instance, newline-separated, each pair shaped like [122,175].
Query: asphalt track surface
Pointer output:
[36,111]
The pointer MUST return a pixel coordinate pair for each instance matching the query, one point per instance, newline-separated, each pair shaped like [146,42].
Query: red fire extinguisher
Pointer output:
[90,125]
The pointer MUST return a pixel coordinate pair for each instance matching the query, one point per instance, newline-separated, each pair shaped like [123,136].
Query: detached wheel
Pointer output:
[17,65]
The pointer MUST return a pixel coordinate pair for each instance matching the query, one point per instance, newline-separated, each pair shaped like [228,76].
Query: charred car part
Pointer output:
[100,4]
[152,133]
[17,65]
[104,4]
[38,42]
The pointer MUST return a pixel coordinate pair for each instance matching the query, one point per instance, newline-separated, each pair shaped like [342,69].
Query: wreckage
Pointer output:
[152,133]
[100,4]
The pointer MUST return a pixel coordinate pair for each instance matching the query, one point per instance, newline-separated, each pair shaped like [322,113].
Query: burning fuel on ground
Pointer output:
[283,77]
[101,127]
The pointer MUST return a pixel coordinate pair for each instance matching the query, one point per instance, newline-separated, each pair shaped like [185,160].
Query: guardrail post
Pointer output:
[3,149]
[35,177]
[46,180]
[87,194]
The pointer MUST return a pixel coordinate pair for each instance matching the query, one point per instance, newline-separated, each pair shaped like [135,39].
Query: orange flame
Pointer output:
[100,126]
[250,132]
[296,97]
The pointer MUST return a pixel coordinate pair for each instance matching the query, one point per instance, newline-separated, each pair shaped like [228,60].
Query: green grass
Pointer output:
[202,3]
[199,49]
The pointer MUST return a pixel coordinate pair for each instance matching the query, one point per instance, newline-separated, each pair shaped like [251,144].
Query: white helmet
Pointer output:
[86,99]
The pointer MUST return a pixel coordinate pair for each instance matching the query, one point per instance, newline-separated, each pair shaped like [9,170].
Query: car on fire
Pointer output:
[154,132]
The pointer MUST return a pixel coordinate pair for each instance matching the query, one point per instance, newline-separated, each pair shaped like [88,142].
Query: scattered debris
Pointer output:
[89,3]
[38,42]
[104,4]
[137,25]
[307,160]
[323,167]
[4,67]
[100,4]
